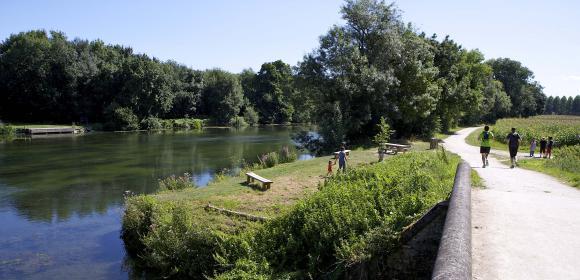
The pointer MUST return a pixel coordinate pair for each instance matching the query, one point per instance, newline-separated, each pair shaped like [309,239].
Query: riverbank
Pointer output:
[174,234]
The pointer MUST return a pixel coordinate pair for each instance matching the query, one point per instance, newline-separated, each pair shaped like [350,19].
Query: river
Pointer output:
[61,198]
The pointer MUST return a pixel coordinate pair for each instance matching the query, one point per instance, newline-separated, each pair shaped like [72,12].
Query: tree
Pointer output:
[549,107]
[222,95]
[576,105]
[557,106]
[525,94]
[272,92]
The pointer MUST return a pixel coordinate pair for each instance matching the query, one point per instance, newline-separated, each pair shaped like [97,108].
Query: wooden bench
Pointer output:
[251,176]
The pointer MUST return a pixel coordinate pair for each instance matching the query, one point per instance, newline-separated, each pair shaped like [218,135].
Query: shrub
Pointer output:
[151,123]
[121,118]
[270,159]
[238,122]
[173,182]
[288,154]
[251,116]
[6,130]
[384,132]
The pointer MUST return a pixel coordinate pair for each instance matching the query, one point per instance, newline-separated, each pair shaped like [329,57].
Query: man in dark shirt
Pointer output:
[514,140]
[543,144]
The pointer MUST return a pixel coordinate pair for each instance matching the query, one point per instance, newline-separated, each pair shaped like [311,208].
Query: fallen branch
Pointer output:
[235,213]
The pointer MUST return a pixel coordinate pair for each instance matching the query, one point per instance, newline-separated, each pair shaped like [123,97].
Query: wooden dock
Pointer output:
[51,130]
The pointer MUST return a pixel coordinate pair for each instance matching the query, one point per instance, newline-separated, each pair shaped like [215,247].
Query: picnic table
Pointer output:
[392,148]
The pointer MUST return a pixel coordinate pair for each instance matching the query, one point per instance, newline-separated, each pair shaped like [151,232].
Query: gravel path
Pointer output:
[526,224]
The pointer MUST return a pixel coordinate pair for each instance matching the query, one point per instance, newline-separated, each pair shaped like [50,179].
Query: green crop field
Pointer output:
[564,129]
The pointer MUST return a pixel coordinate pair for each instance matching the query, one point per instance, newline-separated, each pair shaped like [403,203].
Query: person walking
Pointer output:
[533,147]
[549,148]
[342,159]
[485,136]
[543,144]
[514,141]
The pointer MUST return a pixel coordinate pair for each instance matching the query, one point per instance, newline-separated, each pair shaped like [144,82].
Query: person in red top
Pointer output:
[329,168]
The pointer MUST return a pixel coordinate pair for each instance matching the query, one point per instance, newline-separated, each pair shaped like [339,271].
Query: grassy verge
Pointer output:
[316,224]
[440,135]
[476,181]
[565,165]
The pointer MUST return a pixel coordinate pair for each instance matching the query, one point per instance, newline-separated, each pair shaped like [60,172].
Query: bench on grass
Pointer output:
[251,176]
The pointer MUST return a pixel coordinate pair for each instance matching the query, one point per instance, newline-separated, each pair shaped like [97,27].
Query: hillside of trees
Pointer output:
[375,65]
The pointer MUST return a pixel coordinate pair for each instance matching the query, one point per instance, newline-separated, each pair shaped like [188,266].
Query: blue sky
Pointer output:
[235,34]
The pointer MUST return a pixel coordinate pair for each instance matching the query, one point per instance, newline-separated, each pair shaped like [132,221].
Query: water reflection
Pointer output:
[61,197]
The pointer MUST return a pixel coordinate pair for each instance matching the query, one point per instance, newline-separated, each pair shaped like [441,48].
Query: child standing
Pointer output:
[533,147]
[329,168]
[549,148]
[543,144]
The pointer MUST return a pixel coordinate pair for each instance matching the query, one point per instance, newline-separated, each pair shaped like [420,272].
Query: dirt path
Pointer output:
[526,224]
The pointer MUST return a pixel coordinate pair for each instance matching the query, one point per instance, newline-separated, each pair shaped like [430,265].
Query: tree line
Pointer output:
[563,105]
[371,67]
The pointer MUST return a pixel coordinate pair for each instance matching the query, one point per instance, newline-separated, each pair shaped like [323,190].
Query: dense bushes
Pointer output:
[354,218]
[121,118]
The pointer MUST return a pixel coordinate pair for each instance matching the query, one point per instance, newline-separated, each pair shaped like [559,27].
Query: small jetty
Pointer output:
[49,130]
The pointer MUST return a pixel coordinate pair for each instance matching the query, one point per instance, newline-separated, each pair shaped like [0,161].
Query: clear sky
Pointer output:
[238,34]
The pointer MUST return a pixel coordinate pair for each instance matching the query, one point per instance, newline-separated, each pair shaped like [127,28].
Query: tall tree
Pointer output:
[576,105]
[273,92]
[222,95]
[526,95]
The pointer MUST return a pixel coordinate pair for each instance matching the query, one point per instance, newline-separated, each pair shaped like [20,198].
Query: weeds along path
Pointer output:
[526,224]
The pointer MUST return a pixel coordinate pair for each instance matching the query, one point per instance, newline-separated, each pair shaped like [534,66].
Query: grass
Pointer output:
[442,136]
[173,233]
[476,181]
[292,181]
[543,166]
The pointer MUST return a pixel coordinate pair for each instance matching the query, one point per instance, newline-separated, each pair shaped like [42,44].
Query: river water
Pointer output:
[61,198]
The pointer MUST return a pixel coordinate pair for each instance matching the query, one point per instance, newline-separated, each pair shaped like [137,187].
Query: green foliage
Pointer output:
[355,216]
[6,130]
[222,95]
[121,118]
[251,116]
[238,122]
[566,158]
[272,92]
[288,154]
[173,183]
[564,129]
[270,159]
[384,132]
[151,123]
[525,94]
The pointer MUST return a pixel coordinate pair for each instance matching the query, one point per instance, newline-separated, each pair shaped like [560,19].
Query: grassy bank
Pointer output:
[565,165]
[315,225]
